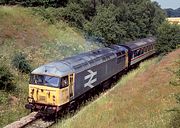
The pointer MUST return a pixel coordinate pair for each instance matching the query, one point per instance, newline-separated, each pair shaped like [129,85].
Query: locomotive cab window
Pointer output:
[51,81]
[37,79]
[118,54]
[44,80]
[64,82]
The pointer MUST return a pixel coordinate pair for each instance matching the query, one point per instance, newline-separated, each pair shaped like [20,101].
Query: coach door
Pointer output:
[71,85]
[126,61]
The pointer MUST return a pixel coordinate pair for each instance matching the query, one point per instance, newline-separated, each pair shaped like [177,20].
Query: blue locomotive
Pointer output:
[58,83]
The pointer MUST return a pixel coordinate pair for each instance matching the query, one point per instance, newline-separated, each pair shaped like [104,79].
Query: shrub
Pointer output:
[6,79]
[19,61]
[74,14]
[45,13]
[168,37]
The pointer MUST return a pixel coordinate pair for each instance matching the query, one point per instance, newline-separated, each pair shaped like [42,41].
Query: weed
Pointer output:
[20,62]
[6,79]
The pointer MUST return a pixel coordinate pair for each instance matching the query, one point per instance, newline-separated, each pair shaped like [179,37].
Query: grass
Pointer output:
[142,98]
[21,31]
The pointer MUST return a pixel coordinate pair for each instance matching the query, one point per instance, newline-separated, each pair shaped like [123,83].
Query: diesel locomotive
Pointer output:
[59,83]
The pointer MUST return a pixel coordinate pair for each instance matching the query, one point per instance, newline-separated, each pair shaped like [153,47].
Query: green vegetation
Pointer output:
[6,79]
[26,42]
[19,61]
[116,21]
[125,21]
[168,37]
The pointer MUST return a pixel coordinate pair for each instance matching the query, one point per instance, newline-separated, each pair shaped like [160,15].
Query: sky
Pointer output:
[174,4]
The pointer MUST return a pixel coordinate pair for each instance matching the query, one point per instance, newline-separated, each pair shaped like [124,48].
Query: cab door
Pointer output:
[64,90]
[71,85]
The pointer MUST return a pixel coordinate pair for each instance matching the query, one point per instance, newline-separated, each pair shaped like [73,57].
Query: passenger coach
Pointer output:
[140,49]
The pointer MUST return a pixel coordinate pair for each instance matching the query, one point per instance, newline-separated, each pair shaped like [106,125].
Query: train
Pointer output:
[59,83]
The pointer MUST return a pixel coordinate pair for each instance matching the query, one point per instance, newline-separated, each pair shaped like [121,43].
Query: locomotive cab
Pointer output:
[49,92]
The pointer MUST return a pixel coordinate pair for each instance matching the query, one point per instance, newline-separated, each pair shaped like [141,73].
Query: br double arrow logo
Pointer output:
[91,78]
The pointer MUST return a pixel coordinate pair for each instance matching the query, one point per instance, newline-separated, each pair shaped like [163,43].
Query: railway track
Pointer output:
[33,120]
[39,123]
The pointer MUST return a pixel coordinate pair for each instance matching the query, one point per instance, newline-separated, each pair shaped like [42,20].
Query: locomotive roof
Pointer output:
[140,43]
[76,63]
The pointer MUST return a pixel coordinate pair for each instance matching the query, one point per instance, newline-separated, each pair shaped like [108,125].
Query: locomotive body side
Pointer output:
[100,70]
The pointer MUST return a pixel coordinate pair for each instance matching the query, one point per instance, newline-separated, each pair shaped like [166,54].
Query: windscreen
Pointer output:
[45,80]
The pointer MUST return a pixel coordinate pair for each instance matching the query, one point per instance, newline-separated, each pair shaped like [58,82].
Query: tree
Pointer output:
[6,79]
[104,25]
[168,37]
[121,21]
[74,13]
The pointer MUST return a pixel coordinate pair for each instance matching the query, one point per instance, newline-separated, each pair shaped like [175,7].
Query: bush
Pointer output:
[104,25]
[6,79]
[46,14]
[125,22]
[74,14]
[168,37]
[19,61]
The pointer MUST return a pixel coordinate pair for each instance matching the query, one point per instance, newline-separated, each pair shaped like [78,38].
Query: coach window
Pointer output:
[142,51]
[135,53]
[145,49]
[138,52]
[151,47]
[64,82]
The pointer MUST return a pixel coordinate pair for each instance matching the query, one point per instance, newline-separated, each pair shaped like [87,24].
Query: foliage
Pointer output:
[168,37]
[3,99]
[30,3]
[19,61]
[125,22]
[6,79]
[116,21]
[46,14]
[104,24]
[74,14]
